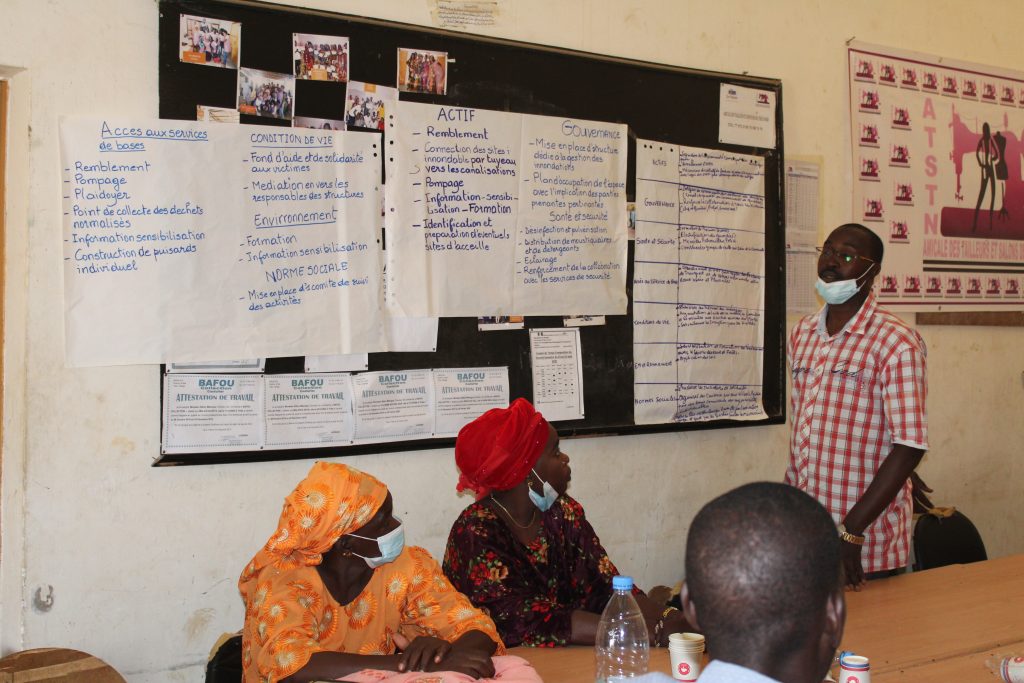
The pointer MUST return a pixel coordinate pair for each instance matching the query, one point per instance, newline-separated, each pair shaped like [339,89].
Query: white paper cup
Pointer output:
[686,665]
[686,641]
[854,669]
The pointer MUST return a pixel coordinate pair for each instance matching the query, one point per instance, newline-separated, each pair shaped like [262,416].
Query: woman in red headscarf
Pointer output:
[335,590]
[524,551]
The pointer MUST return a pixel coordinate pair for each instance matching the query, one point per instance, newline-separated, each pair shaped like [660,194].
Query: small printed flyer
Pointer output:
[209,413]
[309,410]
[463,394]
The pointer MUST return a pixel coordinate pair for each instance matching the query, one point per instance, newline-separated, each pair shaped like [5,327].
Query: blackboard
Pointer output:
[656,101]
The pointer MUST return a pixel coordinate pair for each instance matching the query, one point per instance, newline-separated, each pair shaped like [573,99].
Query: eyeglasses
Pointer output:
[844,256]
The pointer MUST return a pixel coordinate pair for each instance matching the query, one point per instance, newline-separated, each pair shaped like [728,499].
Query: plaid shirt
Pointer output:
[855,395]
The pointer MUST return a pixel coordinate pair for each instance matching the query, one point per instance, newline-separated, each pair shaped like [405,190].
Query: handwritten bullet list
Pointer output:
[506,212]
[194,227]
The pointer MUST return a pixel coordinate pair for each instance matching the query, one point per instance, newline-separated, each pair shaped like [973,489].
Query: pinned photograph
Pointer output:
[365,104]
[422,71]
[216,114]
[211,42]
[320,58]
[264,93]
[318,124]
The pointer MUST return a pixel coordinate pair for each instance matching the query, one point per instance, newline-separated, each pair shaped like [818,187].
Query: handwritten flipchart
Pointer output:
[495,213]
[189,241]
[697,349]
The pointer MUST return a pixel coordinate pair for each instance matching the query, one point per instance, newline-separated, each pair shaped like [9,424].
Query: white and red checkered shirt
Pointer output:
[855,395]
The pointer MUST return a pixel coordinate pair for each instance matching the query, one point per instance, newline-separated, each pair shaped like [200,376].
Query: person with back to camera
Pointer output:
[335,591]
[858,419]
[524,551]
[764,582]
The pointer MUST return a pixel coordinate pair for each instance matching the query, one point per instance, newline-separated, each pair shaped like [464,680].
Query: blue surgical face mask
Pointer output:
[390,545]
[840,291]
[543,502]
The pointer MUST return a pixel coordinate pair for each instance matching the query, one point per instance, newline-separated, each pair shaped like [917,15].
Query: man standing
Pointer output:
[858,408]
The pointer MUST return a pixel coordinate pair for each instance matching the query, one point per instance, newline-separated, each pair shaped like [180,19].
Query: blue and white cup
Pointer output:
[854,669]
[1011,669]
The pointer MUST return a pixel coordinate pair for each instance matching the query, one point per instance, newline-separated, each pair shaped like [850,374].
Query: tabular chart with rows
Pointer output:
[698,285]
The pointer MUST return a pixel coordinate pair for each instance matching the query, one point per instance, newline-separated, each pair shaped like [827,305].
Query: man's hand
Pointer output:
[919,493]
[852,568]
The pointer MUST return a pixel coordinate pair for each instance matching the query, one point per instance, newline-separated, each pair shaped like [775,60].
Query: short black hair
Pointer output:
[761,563]
[877,246]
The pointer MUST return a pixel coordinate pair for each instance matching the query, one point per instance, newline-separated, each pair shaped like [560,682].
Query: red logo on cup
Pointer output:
[683,668]
[852,679]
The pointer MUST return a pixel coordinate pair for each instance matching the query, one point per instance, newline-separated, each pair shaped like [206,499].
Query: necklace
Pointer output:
[513,519]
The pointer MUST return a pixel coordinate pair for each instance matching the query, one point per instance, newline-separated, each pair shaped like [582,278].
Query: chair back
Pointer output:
[225,666]
[944,537]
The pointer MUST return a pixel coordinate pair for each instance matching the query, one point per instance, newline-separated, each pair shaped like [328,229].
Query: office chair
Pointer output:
[945,536]
[225,665]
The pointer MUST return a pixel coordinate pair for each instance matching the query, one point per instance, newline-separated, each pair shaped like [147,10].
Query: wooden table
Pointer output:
[937,626]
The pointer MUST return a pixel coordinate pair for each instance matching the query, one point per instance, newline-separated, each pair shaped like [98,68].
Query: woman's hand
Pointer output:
[674,622]
[469,655]
[469,660]
[423,653]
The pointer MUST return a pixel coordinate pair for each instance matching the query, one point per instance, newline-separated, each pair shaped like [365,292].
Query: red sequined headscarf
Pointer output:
[497,450]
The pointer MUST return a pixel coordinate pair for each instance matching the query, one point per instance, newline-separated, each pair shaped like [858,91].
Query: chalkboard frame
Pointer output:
[692,101]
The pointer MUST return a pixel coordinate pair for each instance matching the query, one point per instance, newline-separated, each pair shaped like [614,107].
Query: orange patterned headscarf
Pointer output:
[331,501]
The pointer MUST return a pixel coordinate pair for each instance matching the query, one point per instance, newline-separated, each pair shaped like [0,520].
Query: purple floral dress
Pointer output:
[530,591]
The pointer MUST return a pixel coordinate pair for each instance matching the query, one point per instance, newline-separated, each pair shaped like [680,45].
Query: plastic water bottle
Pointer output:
[622,646]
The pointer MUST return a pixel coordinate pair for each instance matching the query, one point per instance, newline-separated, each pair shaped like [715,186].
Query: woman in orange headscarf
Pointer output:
[524,551]
[336,591]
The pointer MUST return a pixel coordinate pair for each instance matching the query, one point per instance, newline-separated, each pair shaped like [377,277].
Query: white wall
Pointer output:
[143,562]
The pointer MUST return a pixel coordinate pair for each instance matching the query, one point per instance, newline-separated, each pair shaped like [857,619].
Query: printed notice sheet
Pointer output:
[463,394]
[557,372]
[308,410]
[802,218]
[393,405]
[495,213]
[746,116]
[207,413]
[187,241]
[698,287]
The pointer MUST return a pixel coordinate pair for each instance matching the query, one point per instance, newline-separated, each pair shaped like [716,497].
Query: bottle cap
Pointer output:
[622,583]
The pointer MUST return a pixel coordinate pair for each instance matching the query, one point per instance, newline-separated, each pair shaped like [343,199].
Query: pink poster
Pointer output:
[937,150]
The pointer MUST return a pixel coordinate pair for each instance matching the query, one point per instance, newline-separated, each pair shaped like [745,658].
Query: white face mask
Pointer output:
[390,546]
[840,291]
[544,502]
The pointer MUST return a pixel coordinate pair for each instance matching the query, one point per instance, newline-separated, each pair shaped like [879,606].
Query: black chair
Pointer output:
[945,536]
[225,666]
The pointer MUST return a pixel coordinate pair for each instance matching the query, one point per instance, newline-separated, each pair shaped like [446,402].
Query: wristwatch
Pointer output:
[848,537]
